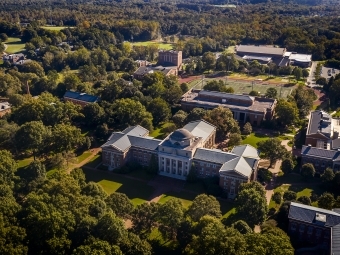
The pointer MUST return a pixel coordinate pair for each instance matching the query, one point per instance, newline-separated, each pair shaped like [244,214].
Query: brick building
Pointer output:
[245,108]
[170,58]
[80,98]
[318,227]
[179,150]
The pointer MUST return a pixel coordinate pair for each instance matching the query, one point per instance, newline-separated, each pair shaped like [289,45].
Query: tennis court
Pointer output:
[246,86]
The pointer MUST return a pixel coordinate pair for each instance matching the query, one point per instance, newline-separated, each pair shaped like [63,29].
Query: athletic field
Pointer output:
[246,86]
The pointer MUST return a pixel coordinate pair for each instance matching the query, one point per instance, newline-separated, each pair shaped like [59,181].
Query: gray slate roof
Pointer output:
[320,153]
[306,213]
[238,165]
[319,121]
[335,245]
[215,156]
[252,49]
[246,151]
[335,144]
[132,136]
[200,128]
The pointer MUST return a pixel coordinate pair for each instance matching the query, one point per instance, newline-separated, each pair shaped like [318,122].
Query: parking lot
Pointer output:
[329,72]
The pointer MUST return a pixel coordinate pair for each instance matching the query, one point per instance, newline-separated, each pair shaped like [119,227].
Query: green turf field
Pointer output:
[14,45]
[164,46]
[245,86]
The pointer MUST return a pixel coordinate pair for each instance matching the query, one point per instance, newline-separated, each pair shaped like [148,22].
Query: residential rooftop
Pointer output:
[81,96]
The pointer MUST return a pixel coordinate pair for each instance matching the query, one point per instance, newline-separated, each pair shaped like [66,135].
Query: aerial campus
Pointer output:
[148,127]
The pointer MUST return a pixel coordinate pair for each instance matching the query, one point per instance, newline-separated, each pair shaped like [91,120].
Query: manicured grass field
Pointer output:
[54,28]
[24,162]
[159,132]
[83,156]
[14,45]
[254,138]
[137,191]
[245,86]
[185,197]
[96,160]
[164,46]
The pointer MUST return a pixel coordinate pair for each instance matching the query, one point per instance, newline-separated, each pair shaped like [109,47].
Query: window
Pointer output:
[302,228]
[310,230]
[201,164]
[293,227]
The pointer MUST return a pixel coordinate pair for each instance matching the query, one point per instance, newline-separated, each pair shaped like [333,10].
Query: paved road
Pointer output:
[311,76]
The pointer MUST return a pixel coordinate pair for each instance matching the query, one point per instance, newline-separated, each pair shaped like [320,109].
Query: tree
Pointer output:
[204,205]
[297,73]
[7,168]
[271,93]
[321,81]
[242,227]
[225,241]
[234,139]
[127,112]
[326,201]
[160,110]
[223,119]
[287,165]
[120,204]
[179,118]
[97,246]
[144,219]
[35,170]
[66,138]
[32,136]
[304,200]
[133,245]
[110,228]
[328,175]
[289,195]
[305,73]
[102,131]
[94,114]
[247,129]
[209,61]
[308,171]
[196,114]
[304,99]
[95,190]
[271,149]
[169,216]
[252,206]
[286,112]
[254,93]
[277,197]
[184,87]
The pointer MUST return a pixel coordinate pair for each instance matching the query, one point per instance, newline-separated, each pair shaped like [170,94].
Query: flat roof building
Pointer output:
[80,98]
[245,108]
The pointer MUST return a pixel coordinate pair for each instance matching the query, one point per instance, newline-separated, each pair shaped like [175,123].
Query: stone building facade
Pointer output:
[179,151]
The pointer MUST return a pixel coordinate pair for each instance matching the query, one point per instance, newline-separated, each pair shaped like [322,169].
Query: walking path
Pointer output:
[93,151]
[275,170]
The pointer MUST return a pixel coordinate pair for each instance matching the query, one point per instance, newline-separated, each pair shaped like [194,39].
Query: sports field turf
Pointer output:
[245,86]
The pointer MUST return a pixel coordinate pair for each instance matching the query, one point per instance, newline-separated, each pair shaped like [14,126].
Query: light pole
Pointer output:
[228,57]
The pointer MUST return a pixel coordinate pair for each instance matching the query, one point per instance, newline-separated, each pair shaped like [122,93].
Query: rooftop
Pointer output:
[266,59]
[300,57]
[320,122]
[200,128]
[247,151]
[4,106]
[313,215]
[214,156]
[258,104]
[321,153]
[252,49]
[81,96]
[238,165]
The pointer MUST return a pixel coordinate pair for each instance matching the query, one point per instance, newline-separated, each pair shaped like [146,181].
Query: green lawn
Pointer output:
[14,45]
[139,192]
[95,161]
[83,156]
[54,28]
[161,45]
[24,162]
[185,197]
[159,132]
[254,138]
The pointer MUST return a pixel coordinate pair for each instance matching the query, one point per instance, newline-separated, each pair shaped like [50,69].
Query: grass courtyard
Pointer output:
[245,86]
[254,138]
[160,131]
[14,45]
